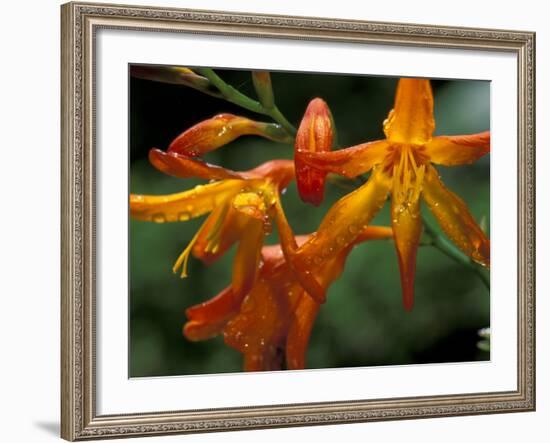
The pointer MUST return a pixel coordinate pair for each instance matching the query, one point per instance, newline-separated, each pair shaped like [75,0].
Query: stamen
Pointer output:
[184,257]
[213,237]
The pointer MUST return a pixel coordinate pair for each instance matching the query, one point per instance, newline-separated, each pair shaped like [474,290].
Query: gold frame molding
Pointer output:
[79,23]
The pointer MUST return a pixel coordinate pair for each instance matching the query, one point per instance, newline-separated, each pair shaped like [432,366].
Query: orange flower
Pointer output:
[402,164]
[240,204]
[272,322]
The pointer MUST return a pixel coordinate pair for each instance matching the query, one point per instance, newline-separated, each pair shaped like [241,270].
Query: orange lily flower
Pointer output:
[273,321]
[402,164]
[240,204]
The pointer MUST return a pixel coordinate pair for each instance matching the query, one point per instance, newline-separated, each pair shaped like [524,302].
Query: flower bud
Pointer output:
[262,84]
[219,130]
[175,76]
[315,134]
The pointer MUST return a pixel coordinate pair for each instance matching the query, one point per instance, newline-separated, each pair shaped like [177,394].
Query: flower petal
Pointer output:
[247,260]
[290,247]
[300,331]
[349,162]
[407,228]
[220,231]
[279,172]
[339,229]
[411,120]
[259,329]
[458,149]
[208,319]
[455,219]
[220,130]
[185,205]
[181,166]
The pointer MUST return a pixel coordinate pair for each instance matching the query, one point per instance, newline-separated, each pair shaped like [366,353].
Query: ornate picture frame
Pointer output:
[80,23]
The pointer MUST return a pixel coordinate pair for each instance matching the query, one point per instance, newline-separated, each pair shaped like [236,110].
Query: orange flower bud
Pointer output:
[219,130]
[315,134]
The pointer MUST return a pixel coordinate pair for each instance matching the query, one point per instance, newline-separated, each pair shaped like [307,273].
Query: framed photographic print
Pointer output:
[280,221]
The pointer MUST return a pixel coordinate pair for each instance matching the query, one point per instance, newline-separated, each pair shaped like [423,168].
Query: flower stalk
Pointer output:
[232,95]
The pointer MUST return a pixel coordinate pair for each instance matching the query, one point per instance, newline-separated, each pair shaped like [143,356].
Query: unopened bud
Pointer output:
[315,134]
[262,84]
[221,129]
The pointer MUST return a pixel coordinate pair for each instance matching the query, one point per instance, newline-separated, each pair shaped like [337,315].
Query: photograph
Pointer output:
[274,221]
[289,220]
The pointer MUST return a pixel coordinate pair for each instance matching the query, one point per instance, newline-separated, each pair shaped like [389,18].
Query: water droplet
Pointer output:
[184,216]
[341,241]
[353,229]
[317,260]
[158,218]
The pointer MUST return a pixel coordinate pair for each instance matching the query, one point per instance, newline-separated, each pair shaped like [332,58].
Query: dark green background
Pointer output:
[363,322]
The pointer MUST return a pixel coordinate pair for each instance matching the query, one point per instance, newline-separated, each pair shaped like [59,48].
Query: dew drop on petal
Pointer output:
[353,229]
[158,218]
[184,216]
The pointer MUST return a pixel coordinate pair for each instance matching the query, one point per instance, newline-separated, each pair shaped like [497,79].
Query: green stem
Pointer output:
[232,95]
[439,242]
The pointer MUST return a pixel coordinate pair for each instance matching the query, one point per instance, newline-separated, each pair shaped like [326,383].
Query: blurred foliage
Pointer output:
[363,322]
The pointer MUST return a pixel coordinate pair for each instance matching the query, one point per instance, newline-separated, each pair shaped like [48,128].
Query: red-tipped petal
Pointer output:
[208,319]
[181,166]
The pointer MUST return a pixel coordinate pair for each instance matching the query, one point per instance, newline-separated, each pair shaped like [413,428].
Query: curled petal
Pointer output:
[348,162]
[455,219]
[315,134]
[181,166]
[208,319]
[407,228]
[280,172]
[458,149]
[222,129]
[411,121]
[185,205]
[300,331]
[247,259]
